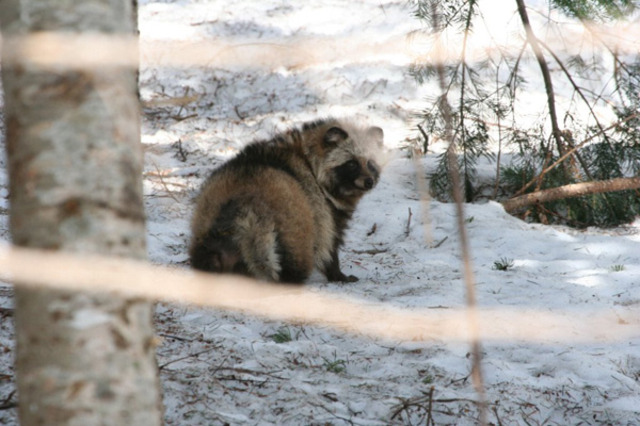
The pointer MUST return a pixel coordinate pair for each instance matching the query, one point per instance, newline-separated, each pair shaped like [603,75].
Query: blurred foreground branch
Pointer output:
[136,279]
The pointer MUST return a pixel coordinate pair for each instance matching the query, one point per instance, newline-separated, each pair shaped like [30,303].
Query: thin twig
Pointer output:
[495,411]
[180,118]
[240,370]
[163,183]
[439,243]
[371,251]
[8,404]
[195,355]
[407,230]
[429,400]
[237,111]
[186,93]
[430,407]
[333,413]
[425,144]
[181,154]
[174,337]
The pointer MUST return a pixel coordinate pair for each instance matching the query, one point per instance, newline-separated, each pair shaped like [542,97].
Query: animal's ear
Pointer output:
[376,135]
[334,137]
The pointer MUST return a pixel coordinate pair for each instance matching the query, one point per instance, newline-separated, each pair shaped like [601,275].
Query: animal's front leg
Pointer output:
[333,272]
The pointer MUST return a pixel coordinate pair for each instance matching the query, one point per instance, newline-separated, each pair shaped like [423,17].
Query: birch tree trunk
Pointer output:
[75,182]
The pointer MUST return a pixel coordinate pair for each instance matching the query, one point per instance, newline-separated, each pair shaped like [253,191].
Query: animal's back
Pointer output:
[254,217]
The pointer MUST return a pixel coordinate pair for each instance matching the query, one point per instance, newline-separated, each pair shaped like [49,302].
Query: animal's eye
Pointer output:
[352,165]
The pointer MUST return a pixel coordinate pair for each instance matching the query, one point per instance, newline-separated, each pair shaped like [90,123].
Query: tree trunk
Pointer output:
[572,190]
[72,139]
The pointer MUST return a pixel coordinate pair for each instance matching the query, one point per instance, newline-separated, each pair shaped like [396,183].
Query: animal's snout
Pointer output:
[368,183]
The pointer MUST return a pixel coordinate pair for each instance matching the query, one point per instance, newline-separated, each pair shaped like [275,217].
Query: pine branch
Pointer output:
[512,80]
[572,191]
[618,64]
[463,133]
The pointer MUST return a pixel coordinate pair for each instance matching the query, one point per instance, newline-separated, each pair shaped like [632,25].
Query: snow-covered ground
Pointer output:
[227,368]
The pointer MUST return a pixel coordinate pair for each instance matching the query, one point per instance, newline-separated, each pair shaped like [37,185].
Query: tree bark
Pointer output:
[72,140]
[573,190]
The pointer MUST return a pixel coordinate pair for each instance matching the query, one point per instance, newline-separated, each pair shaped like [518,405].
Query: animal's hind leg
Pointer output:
[216,254]
[217,251]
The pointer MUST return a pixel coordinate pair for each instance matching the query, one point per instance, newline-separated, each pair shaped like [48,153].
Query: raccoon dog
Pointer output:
[280,207]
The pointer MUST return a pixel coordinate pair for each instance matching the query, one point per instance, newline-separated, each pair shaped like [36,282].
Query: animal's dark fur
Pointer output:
[280,207]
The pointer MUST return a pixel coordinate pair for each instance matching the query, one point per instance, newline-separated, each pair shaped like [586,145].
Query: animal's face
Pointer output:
[355,176]
[350,169]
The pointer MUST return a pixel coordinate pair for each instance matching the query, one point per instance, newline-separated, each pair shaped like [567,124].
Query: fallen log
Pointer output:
[571,191]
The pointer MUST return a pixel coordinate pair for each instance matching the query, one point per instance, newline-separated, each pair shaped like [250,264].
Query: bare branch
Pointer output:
[546,75]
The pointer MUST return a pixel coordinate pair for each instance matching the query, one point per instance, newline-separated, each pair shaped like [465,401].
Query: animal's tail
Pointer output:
[256,237]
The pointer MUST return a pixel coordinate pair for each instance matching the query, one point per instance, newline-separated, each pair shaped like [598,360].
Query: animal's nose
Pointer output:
[368,183]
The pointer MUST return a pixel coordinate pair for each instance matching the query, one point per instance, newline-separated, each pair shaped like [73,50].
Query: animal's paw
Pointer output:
[348,278]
